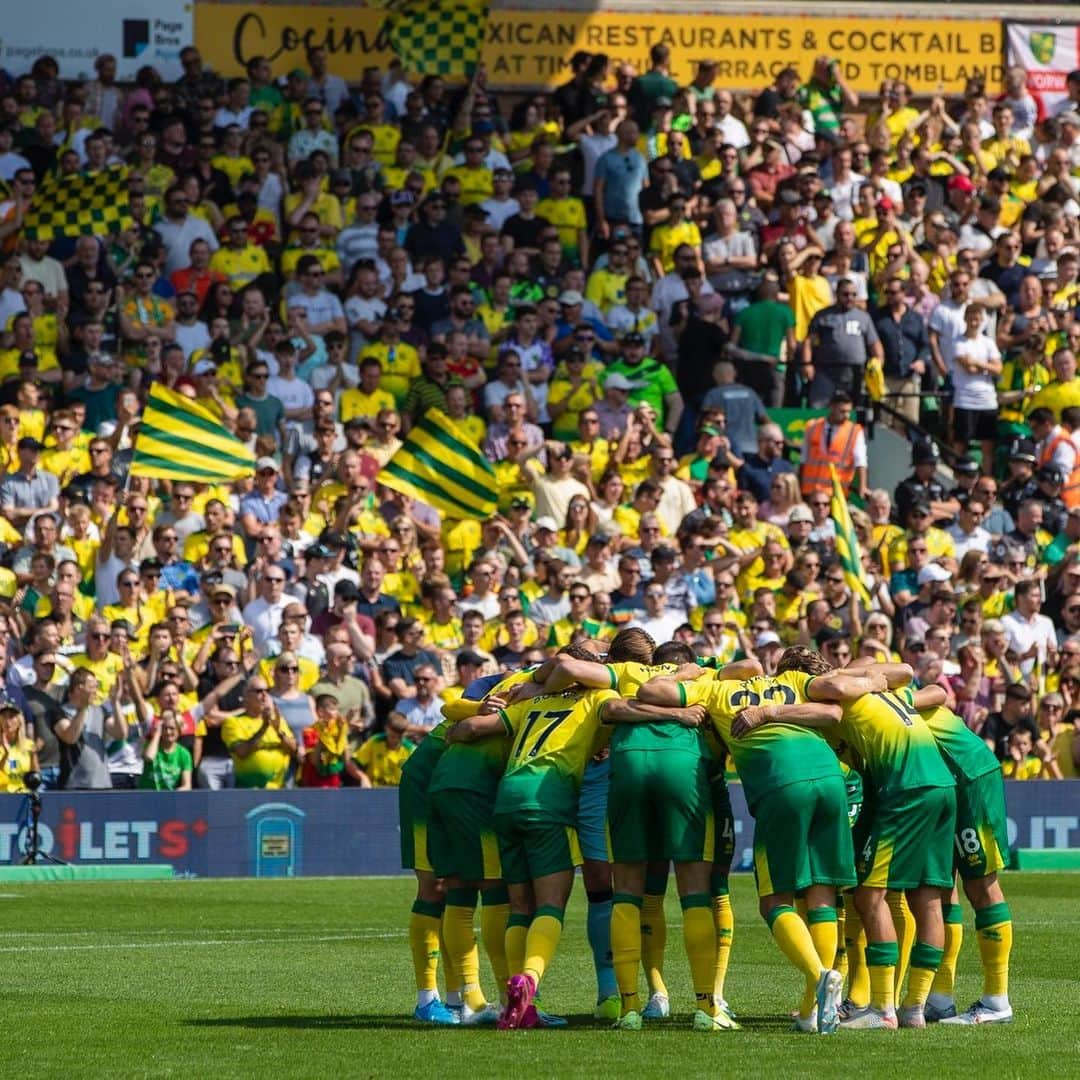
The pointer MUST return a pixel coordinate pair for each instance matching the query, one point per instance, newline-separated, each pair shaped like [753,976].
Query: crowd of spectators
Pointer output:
[608,288]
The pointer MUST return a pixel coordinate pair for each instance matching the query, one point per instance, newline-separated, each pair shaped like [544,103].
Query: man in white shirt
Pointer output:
[968,534]
[733,129]
[659,623]
[502,205]
[1031,635]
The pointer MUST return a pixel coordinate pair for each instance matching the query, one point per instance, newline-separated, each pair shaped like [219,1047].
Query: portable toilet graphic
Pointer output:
[276,840]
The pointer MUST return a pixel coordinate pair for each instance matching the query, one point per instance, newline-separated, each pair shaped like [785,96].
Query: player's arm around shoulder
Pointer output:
[634,711]
[839,686]
[493,721]
[896,675]
[811,714]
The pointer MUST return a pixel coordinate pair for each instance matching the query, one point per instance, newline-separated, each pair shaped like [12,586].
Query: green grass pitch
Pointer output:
[310,978]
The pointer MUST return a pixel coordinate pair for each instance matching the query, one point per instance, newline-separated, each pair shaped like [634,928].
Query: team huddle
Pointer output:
[869,797]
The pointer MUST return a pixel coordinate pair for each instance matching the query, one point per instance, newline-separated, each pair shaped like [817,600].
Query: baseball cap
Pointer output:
[966,465]
[829,633]
[8,704]
[468,656]
[800,513]
[1050,474]
[266,463]
[789,197]
[204,367]
[933,573]
[618,381]
[28,442]
[570,297]
[402,198]
[662,103]
[223,588]
[346,590]
[960,183]
[885,203]
[633,337]
[546,522]
[765,639]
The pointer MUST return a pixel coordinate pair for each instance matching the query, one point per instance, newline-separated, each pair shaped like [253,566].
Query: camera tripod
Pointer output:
[33,853]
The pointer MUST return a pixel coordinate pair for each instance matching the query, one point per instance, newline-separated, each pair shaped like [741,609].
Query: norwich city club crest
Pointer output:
[1042,45]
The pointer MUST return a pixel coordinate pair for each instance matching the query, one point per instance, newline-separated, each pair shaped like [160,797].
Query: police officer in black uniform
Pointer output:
[1048,482]
[923,485]
[1020,484]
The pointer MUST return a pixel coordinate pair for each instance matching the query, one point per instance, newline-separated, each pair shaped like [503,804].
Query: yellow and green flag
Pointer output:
[847,543]
[437,37]
[179,439]
[442,467]
[95,203]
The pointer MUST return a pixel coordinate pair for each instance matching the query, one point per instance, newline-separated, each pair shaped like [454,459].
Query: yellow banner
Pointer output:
[532,49]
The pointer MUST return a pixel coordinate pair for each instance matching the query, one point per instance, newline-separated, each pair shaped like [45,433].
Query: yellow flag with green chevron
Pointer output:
[179,439]
[444,468]
[847,543]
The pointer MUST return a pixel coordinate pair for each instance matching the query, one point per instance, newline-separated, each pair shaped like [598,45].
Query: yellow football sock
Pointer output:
[821,922]
[855,947]
[626,948]
[517,930]
[543,940]
[994,930]
[653,941]
[904,922]
[881,960]
[460,940]
[945,979]
[724,919]
[699,939]
[494,911]
[793,937]
[925,960]
[841,961]
[424,943]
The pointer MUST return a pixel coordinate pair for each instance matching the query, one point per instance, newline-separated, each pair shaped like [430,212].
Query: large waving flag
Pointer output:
[437,37]
[83,203]
[440,466]
[179,439]
[847,543]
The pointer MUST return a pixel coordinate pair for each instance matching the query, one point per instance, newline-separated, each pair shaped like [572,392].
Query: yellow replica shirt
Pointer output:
[14,765]
[328,259]
[628,521]
[446,636]
[400,366]
[326,208]
[268,765]
[598,453]
[356,402]
[577,400]
[666,238]
[65,465]
[240,267]
[460,539]
[308,675]
[107,670]
[197,545]
[1007,151]
[606,288]
[1055,397]
[233,167]
[938,542]
[381,763]
[568,217]
[476,184]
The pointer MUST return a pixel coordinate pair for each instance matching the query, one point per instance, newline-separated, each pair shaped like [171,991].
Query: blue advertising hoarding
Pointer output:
[346,832]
